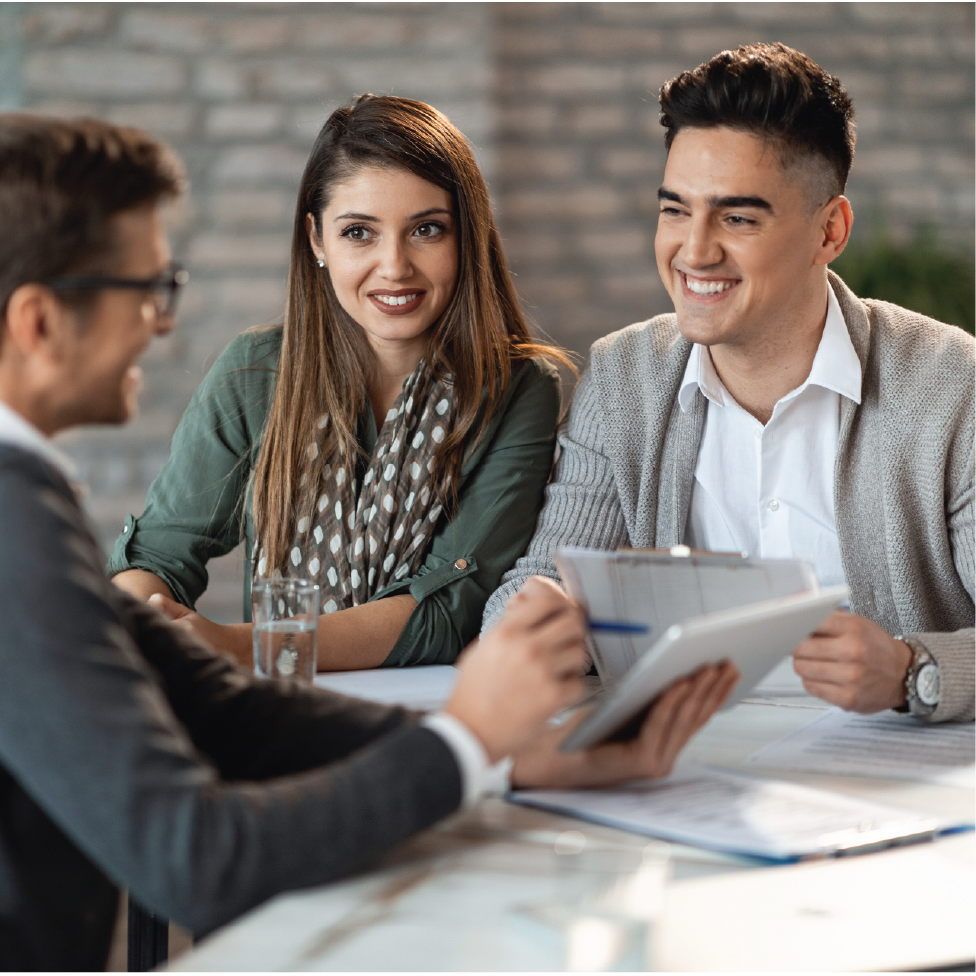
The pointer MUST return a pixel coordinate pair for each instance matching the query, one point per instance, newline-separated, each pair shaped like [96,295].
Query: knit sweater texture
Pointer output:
[903,473]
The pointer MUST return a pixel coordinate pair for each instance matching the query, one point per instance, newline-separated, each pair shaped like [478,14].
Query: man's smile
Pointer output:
[706,288]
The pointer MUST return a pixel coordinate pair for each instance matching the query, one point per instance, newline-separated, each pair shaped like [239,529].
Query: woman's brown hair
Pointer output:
[326,360]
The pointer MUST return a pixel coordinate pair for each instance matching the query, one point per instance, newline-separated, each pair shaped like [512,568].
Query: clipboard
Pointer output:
[754,637]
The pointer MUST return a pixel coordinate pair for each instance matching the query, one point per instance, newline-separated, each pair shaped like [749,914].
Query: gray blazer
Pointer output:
[903,475]
[131,755]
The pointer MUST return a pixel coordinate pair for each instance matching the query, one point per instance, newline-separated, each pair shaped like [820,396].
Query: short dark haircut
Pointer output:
[61,182]
[774,92]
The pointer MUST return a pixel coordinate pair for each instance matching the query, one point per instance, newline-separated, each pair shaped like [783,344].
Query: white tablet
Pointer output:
[754,638]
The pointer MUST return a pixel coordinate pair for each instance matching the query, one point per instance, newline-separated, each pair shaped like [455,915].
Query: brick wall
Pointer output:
[559,100]
[579,150]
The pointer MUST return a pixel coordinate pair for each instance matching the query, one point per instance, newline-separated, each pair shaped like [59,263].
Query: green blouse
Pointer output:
[196,505]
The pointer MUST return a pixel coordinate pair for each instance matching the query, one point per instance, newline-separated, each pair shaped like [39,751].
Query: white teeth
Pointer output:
[395,299]
[707,287]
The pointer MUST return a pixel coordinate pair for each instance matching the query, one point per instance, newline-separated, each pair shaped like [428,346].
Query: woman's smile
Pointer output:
[401,302]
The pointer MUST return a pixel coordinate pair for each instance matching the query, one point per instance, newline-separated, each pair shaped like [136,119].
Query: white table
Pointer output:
[452,898]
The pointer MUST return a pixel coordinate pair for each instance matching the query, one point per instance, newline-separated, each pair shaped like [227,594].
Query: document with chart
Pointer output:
[655,589]
[740,814]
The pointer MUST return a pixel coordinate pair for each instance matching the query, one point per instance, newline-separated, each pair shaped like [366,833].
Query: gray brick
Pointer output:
[222,251]
[293,77]
[170,120]
[221,79]
[549,164]
[576,79]
[631,162]
[936,85]
[597,120]
[883,15]
[338,31]
[612,246]
[250,34]
[527,120]
[259,164]
[642,289]
[258,300]
[163,30]
[56,22]
[251,208]
[568,204]
[255,121]
[615,43]
[103,71]
[528,40]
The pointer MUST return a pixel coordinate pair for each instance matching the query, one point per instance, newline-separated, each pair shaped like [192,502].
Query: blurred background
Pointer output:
[559,100]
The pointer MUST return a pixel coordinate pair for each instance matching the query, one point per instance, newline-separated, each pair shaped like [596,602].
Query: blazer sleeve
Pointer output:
[497,508]
[195,786]
[581,503]
[197,505]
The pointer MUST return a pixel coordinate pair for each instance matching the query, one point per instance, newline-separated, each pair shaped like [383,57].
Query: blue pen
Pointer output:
[614,627]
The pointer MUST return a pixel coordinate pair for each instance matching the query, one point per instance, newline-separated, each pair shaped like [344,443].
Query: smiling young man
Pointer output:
[775,412]
[131,754]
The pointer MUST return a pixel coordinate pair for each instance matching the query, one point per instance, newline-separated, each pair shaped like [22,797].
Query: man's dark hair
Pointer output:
[774,92]
[61,182]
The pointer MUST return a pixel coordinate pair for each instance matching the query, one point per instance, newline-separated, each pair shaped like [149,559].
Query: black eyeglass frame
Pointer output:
[168,283]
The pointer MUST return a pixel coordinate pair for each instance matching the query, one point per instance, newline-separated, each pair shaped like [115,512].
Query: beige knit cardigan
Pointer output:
[903,474]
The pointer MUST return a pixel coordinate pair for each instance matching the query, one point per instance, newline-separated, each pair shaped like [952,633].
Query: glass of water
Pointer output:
[285,617]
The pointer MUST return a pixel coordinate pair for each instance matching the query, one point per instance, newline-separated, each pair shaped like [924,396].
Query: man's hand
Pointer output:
[851,662]
[675,717]
[523,671]
[234,640]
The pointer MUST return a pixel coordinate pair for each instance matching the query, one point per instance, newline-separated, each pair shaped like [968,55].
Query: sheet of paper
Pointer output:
[421,687]
[658,590]
[738,814]
[886,745]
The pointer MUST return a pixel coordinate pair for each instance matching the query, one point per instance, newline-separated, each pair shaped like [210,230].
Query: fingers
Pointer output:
[680,712]
[171,608]
[538,599]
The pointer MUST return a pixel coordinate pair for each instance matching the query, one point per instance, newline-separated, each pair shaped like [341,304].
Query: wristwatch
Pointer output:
[923,683]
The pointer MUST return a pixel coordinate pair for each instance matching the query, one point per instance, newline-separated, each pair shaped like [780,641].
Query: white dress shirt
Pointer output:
[15,429]
[478,776]
[769,491]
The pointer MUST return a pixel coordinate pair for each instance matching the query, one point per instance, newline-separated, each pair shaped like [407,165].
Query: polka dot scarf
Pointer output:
[357,543]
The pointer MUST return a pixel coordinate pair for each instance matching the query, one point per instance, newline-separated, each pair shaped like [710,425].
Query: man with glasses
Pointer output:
[132,755]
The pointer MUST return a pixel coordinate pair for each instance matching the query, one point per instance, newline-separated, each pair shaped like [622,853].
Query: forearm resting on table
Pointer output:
[360,637]
[363,636]
[141,583]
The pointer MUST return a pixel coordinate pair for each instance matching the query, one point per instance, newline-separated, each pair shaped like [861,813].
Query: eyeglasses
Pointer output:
[165,288]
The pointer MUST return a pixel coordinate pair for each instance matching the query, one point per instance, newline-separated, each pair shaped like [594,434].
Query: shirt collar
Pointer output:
[835,366]
[14,429]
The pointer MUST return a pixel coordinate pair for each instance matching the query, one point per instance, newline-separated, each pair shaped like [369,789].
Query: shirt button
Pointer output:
[125,529]
[772,504]
[461,564]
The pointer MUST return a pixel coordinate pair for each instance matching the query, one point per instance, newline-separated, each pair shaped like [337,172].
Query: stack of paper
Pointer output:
[886,745]
[739,814]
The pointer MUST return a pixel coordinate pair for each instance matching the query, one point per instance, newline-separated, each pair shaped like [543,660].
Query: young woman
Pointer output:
[392,439]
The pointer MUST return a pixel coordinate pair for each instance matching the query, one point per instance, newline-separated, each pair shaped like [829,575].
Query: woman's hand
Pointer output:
[675,717]
[523,671]
[234,640]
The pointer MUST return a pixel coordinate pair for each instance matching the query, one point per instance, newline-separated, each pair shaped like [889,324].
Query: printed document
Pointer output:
[426,687]
[885,745]
[656,590]
[739,814]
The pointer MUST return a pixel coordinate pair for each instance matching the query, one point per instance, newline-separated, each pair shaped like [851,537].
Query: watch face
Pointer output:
[927,684]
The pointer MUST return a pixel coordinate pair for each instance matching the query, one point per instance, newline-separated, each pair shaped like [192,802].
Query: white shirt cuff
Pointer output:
[478,776]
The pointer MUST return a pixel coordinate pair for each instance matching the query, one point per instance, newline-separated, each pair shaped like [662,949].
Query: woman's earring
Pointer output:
[321,263]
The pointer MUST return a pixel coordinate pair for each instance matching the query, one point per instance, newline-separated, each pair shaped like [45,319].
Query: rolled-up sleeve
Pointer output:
[196,507]
[498,503]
